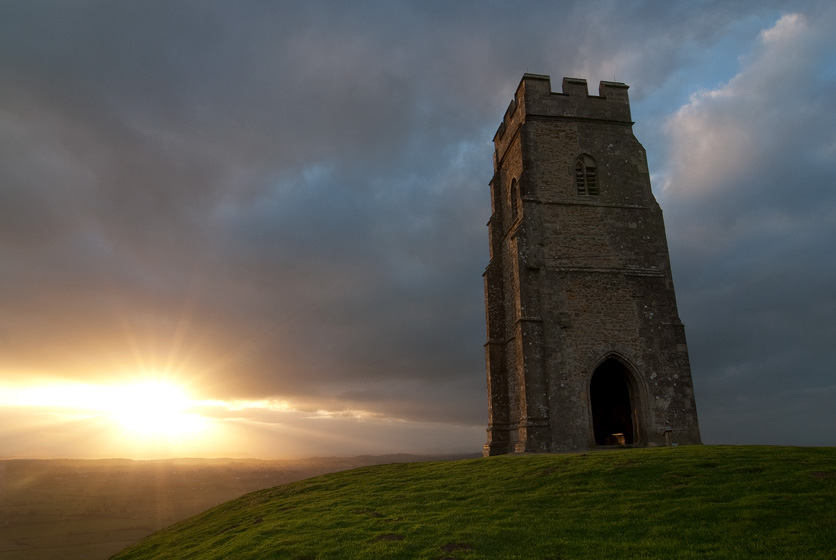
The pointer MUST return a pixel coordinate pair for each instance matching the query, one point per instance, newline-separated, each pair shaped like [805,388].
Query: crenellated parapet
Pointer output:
[534,98]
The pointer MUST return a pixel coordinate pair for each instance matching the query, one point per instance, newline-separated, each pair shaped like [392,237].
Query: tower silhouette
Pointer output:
[585,347]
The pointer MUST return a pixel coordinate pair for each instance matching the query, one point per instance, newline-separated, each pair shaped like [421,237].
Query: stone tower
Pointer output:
[585,347]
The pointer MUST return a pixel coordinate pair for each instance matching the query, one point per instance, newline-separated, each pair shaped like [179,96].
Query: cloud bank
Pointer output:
[288,202]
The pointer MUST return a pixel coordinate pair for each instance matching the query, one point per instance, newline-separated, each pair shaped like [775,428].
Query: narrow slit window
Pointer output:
[515,205]
[586,175]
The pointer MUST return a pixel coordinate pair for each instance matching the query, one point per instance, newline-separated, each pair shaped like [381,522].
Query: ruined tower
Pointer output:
[585,347]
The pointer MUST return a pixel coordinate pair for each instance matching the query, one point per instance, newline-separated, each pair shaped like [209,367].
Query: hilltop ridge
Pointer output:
[686,502]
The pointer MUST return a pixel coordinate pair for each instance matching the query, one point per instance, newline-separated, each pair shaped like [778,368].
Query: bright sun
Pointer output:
[149,408]
[154,408]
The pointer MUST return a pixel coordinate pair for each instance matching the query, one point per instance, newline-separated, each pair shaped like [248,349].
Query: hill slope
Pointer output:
[686,502]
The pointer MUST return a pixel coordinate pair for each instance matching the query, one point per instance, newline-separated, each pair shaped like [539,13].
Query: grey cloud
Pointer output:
[751,240]
[289,200]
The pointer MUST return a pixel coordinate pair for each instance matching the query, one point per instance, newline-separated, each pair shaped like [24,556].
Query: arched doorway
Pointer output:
[613,414]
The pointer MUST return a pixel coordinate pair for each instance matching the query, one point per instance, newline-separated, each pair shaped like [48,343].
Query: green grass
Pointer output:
[686,502]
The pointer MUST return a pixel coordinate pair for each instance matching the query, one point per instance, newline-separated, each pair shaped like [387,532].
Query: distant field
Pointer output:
[89,510]
[701,502]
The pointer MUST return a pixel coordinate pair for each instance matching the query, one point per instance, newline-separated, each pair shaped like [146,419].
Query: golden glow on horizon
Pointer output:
[151,417]
[148,408]
[155,408]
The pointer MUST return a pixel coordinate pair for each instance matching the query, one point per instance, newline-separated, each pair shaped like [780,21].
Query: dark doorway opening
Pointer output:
[612,410]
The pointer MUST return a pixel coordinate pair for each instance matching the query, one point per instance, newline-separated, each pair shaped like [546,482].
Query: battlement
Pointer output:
[534,97]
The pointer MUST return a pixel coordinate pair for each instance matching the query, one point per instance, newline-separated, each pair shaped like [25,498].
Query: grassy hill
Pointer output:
[77,509]
[686,502]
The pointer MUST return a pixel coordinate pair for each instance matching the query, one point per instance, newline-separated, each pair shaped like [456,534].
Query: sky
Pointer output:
[258,228]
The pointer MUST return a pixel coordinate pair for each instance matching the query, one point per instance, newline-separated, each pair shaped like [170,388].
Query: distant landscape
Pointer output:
[70,509]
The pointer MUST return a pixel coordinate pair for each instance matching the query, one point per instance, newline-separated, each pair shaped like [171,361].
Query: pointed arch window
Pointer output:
[586,175]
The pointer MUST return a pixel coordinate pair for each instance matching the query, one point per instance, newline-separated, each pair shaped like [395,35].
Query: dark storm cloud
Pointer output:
[288,200]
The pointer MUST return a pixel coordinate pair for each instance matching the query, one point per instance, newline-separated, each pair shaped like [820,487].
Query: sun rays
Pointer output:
[150,408]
